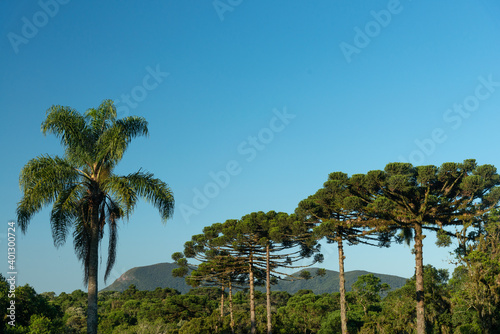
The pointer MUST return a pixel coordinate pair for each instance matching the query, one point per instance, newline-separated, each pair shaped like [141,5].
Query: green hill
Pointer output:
[160,275]
[150,278]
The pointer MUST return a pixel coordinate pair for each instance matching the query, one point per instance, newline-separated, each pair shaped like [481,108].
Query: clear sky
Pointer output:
[267,97]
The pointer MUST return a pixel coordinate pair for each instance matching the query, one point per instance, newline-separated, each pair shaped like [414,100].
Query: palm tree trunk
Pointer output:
[268,291]
[92,276]
[252,298]
[419,276]
[343,306]
[231,306]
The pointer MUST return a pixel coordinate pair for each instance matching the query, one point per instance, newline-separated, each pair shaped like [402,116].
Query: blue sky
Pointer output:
[275,94]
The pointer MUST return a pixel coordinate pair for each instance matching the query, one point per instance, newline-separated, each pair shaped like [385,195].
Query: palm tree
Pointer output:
[85,193]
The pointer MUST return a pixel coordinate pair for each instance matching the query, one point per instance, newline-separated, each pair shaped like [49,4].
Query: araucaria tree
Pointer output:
[85,192]
[258,243]
[270,241]
[217,267]
[339,218]
[428,198]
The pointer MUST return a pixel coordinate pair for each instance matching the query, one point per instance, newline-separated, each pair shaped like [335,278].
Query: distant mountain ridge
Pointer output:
[160,275]
[330,281]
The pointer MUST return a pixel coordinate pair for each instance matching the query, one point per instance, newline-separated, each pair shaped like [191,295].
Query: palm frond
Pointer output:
[71,127]
[133,126]
[81,243]
[114,140]
[47,168]
[120,189]
[64,122]
[101,118]
[42,180]
[154,191]
[65,212]
[114,214]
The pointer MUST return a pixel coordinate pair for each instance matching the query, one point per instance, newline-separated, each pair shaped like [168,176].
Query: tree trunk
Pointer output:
[343,306]
[222,307]
[92,274]
[252,298]
[268,291]
[231,306]
[419,276]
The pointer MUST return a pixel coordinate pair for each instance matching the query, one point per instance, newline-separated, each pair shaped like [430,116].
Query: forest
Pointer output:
[401,203]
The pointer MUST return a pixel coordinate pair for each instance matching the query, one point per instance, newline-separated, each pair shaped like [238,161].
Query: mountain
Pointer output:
[330,281]
[150,278]
[160,275]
